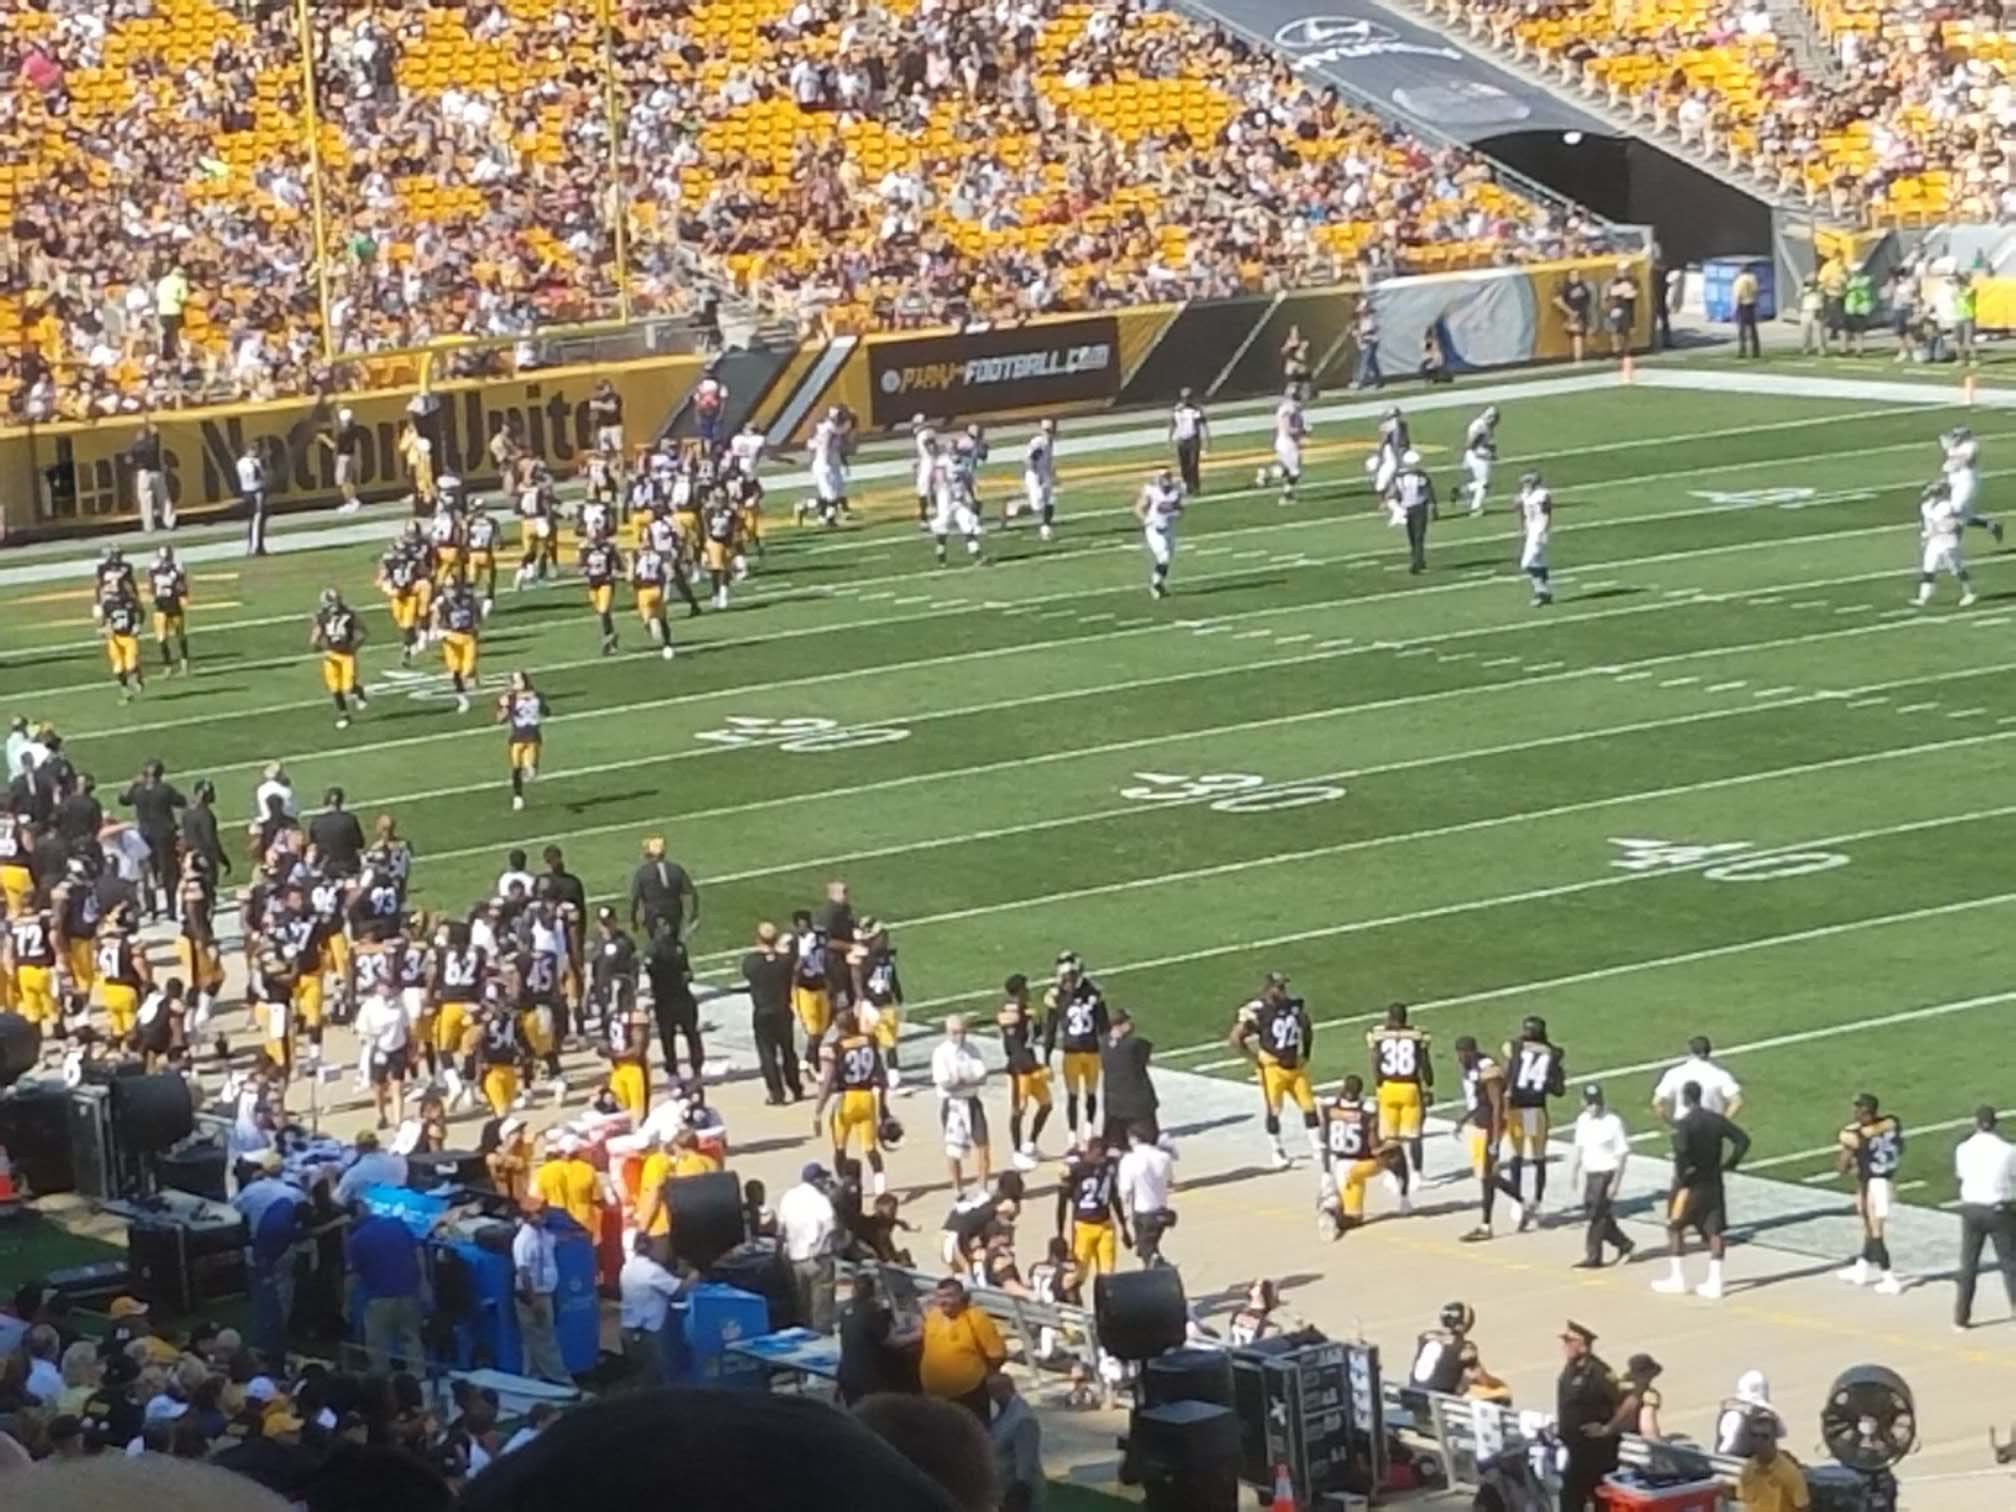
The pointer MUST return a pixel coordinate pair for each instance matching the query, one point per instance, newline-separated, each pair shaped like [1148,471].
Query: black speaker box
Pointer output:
[429,1169]
[759,1266]
[35,1129]
[1140,1313]
[1187,1375]
[706,1214]
[1187,1455]
[20,1048]
[179,1266]
[200,1169]
[151,1112]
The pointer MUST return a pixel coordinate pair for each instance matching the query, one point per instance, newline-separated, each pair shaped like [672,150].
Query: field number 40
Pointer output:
[1731,860]
[805,735]
[1228,792]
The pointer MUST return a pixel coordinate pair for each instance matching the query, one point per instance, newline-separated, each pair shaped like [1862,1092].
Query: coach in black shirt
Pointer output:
[562,886]
[80,816]
[768,972]
[670,973]
[1700,1139]
[154,801]
[337,836]
[199,834]
[1130,1091]
[661,890]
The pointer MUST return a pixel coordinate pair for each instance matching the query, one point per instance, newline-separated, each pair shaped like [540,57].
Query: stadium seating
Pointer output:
[485,171]
[1907,135]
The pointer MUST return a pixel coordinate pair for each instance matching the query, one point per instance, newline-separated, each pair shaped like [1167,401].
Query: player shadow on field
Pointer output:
[1776,1278]
[1236,585]
[1234,1295]
[1206,1125]
[604,800]
[1607,593]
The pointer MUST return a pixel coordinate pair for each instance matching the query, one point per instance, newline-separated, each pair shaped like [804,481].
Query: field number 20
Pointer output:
[801,735]
[1228,792]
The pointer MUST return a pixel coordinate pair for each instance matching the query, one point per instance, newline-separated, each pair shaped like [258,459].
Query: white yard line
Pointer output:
[1164,679]
[1473,826]
[126,728]
[1654,963]
[1063,821]
[1048,560]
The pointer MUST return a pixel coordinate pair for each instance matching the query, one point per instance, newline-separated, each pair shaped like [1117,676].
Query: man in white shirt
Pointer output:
[1985,1166]
[647,1290]
[537,1272]
[273,783]
[808,1227]
[383,1031]
[252,495]
[1720,1092]
[515,872]
[1146,1175]
[372,1167]
[958,1072]
[1602,1150]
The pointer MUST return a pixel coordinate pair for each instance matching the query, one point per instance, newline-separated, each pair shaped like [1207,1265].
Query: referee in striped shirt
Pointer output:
[1414,491]
[1190,433]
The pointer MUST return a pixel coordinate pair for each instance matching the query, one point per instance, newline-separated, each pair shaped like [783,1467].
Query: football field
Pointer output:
[1730,783]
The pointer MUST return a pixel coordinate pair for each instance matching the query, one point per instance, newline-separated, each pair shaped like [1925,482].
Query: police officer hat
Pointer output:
[1576,1330]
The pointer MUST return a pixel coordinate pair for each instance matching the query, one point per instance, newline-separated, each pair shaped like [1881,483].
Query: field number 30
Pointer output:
[1228,792]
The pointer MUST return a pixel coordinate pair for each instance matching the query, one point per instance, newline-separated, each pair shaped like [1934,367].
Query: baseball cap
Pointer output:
[1592,1093]
[813,1171]
[261,1389]
[126,1307]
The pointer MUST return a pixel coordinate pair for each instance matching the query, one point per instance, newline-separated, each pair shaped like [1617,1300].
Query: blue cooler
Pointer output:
[717,1316]
[417,1210]
[577,1311]
[1718,282]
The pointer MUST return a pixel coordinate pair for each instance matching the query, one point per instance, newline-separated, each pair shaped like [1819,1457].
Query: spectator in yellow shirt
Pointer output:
[1770,1481]
[961,1349]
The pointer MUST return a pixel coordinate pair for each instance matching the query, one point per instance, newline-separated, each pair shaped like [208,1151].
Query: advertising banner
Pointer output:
[968,372]
[65,477]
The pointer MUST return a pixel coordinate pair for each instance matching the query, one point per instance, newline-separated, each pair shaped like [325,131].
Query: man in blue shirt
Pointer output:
[386,1283]
[276,1219]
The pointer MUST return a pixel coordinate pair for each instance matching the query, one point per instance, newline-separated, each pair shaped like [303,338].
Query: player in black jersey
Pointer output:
[113,578]
[337,632]
[1089,1199]
[601,566]
[169,585]
[458,616]
[1274,1031]
[122,643]
[1534,1072]
[1075,1014]
[1028,1072]
[1700,1139]
[1872,1147]
[522,708]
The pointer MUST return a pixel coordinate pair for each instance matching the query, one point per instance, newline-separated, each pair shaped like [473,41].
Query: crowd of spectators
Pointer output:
[1902,121]
[491,169]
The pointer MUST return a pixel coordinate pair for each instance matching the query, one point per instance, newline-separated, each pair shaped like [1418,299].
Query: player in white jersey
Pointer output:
[598,523]
[746,448]
[1962,469]
[1386,454]
[829,469]
[924,436]
[1158,509]
[1536,514]
[1039,478]
[952,502]
[1940,525]
[1291,426]
[1480,450]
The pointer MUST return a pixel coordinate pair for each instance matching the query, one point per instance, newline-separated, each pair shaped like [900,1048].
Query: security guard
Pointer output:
[1585,1408]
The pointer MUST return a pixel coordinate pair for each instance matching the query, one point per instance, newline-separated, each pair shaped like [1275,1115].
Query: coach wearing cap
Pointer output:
[662,889]
[1602,1150]
[1585,1407]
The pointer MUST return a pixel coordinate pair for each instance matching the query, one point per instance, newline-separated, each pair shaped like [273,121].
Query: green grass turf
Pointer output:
[1722,668]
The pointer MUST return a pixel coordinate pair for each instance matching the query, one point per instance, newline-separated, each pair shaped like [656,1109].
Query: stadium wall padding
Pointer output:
[1496,317]
[201,447]
[1059,364]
